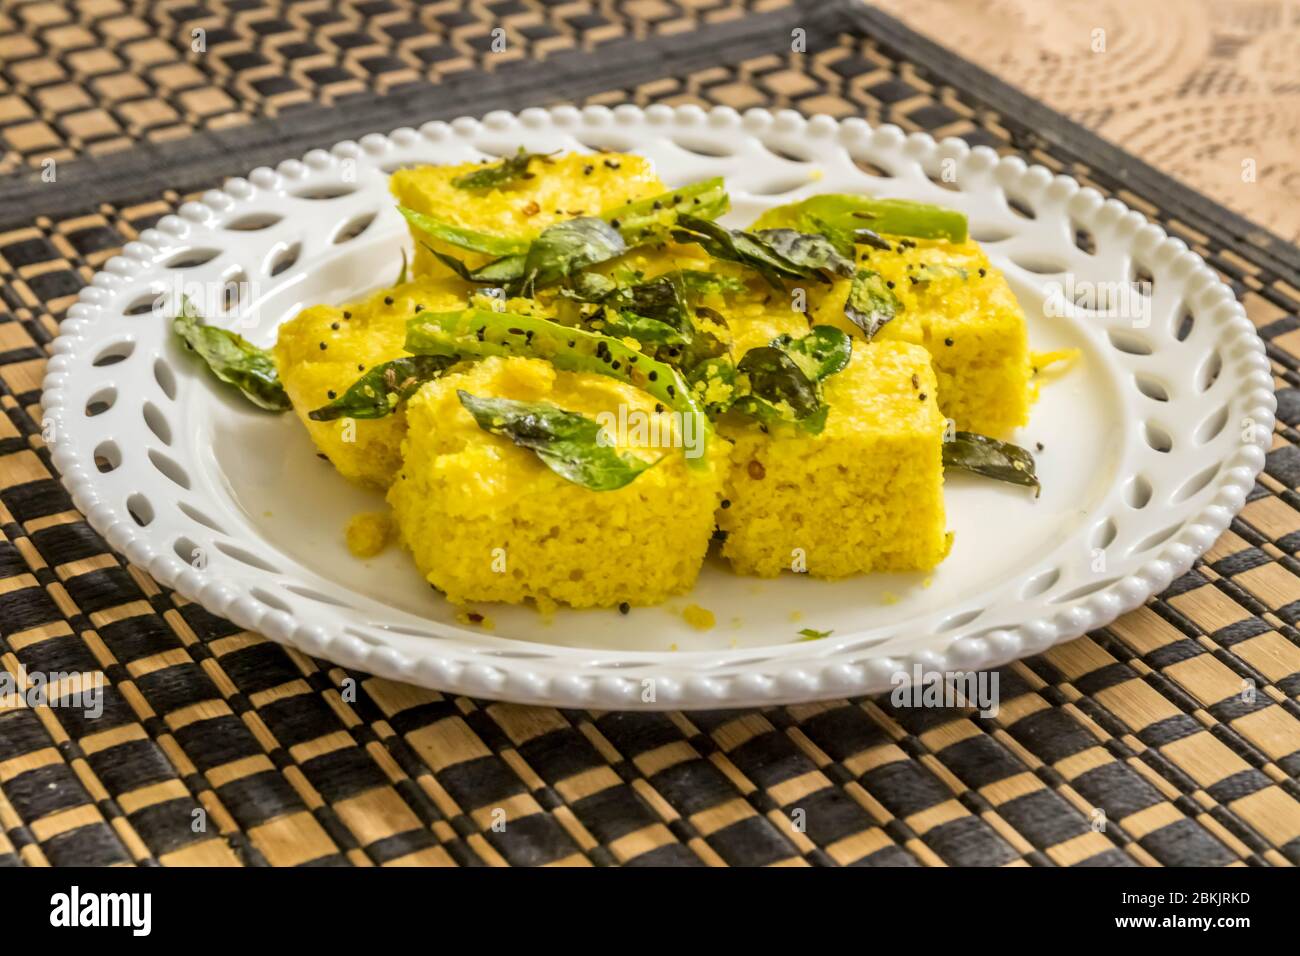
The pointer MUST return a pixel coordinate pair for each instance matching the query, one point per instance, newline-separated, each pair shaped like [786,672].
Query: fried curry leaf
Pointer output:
[991,458]
[713,383]
[777,379]
[736,245]
[871,303]
[654,312]
[498,272]
[779,382]
[775,254]
[569,444]
[811,253]
[378,392]
[661,298]
[838,236]
[509,170]
[233,359]
[568,246]
[821,353]
[565,248]
[468,239]
[590,287]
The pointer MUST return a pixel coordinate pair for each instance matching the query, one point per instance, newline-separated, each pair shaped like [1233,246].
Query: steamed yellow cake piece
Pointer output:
[486,520]
[560,187]
[960,308]
[883,426]
[368,533]
[866,494]
[325,349]
[956,305]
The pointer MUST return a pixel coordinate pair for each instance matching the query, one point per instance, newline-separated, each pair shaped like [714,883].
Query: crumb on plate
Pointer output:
[368,533]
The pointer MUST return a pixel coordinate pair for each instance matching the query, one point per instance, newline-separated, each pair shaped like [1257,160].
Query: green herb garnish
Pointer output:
[476,333]
[779,390]
[812,253]
[378,392]
[737,245]
[775,254]
[821,353]
[871,303]
[655,311]
[991,458]
[811,634]
[778,382]
[648,331]
[233,359]
[568,246]
[498,272]
[509,170]
[401,276]
[590,287]
[565,248]
[469,239]
[559,251]
[571,445]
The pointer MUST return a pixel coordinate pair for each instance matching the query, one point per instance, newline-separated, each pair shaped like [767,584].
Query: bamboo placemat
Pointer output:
[1171,737]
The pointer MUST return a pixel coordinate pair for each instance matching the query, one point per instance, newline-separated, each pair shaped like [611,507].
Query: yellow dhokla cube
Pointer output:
[956,305]
[866,494]
[561,187]
[486,520]
[325,349]
[960,308]
[827,504]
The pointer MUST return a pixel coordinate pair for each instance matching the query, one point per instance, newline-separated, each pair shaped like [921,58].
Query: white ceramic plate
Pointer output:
[1150,443]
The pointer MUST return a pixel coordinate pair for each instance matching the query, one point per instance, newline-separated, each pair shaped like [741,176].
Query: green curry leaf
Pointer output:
[498,272]
[811,253]
[232,359]
[871,303]
[991,458]
[776,383]
[469,239]
[779,382]
[569,444]
[509,170]
[821,353]
[378,392]
[775,254]
[736,245]
[568,246]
